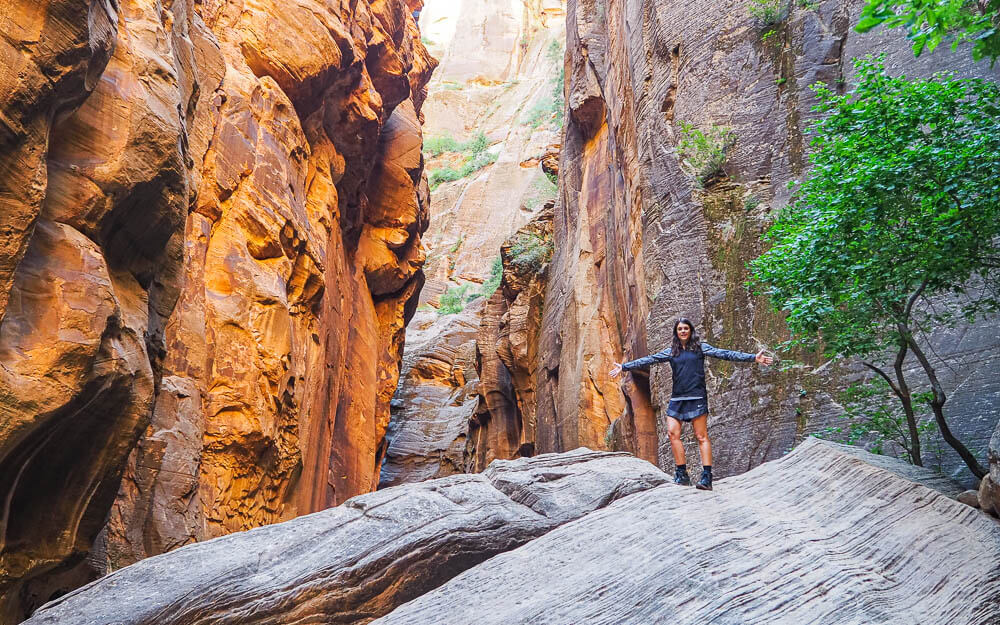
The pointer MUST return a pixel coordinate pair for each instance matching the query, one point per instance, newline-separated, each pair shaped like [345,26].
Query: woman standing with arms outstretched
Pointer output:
[689,399]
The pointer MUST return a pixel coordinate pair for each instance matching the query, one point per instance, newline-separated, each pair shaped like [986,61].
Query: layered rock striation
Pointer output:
[211,243]
[771,545]
[639,242]
[358,561]
[505,425]
[493,115]
[591,537]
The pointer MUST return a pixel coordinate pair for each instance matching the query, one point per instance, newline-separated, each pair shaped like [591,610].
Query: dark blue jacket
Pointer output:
[689,367]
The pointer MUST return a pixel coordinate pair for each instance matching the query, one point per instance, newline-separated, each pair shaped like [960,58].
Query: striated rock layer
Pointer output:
[358,561]
[639,243]
[210,243]
[771,545]
[497,82]
[505,426]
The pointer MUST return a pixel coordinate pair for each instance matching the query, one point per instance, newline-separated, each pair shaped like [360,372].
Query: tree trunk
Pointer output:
[937,405]
[906,398]
[902,391]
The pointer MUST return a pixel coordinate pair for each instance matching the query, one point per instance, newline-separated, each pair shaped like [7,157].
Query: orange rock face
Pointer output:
[210,222]
[496,87]
[505,425]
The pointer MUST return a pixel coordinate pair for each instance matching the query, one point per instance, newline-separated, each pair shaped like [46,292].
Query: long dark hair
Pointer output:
[693,344]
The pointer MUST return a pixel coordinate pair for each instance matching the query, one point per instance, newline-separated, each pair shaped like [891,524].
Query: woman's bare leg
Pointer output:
[674,432]
[700,425]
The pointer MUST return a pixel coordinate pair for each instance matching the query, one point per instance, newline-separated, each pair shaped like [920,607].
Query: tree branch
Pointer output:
[937,405]
[885,376]
[913,299]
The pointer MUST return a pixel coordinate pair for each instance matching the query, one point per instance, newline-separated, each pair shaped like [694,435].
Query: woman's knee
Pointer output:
[702,437]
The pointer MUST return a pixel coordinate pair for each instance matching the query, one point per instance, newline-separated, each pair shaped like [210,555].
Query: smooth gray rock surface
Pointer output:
[825,535]
[357,561]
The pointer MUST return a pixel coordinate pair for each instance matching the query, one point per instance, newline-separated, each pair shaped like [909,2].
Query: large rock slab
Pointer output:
[357,561]
[820,536]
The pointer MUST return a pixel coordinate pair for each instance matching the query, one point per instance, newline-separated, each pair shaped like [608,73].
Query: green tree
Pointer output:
[872,417]
[895,230]
[929,22]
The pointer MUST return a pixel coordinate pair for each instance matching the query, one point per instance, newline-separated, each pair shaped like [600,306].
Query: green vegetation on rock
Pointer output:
[454,299]
[873,418]
[769,13]
[895,232]
[496,276]
[542,189]
[550,108]
[703,153]
[475,151]
[530,252]
[928,23]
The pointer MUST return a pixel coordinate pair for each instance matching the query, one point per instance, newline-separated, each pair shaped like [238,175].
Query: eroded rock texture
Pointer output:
[504,425]
[639,243]
[358,561]
[97,176]
[210,235]
[771,545]
[499,70]
[436,397]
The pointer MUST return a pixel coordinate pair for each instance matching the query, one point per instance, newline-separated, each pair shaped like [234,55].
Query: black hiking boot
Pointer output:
[681,476]
[705,483]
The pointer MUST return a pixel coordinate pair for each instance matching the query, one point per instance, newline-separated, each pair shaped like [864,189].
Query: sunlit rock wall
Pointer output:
[210,242]
[505,423]
[638,243]
[499,70]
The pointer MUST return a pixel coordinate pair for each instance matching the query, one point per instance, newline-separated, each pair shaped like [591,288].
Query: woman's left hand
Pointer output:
[762,359]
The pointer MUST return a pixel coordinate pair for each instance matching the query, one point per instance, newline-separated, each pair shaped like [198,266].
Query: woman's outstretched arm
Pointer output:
[728,354]
[663,356]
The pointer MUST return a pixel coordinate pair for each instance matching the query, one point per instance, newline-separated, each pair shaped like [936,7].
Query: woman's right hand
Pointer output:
[616,370]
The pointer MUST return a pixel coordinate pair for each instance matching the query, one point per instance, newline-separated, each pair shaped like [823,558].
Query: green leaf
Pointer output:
[868,23]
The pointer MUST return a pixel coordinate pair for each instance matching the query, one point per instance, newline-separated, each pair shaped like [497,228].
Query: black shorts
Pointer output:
[687,409]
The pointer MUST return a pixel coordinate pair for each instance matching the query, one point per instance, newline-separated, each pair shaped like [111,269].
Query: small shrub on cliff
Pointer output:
[554,52]
[769,13]
[436,145]
[895,233]
[531,252]
[441,144]
[453,300]
[472,164]
[704,153]
[496,276]
[542,190]
[538,114]
[550,109]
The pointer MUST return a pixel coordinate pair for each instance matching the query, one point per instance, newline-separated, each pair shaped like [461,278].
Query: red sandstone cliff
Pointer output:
[497,85]
[210,225]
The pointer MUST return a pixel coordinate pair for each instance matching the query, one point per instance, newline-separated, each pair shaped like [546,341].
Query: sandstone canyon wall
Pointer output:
[638,243]
[210,243]
[498,83]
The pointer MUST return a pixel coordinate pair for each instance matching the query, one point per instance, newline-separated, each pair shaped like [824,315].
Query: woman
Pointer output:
[689,399]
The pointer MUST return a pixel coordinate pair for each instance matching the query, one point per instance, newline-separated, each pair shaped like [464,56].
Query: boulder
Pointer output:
[989,495]
[969,498]
[360,560]
[824,535]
